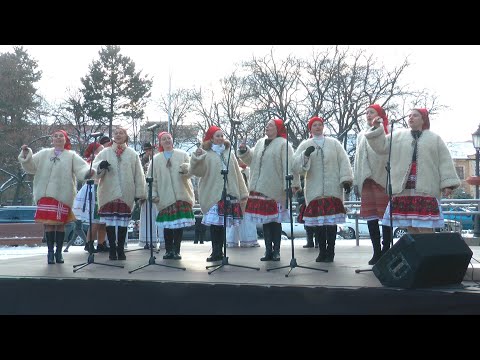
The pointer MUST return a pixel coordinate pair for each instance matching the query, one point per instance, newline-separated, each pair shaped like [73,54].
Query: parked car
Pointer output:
[347,229]
[466,217]
[18,227]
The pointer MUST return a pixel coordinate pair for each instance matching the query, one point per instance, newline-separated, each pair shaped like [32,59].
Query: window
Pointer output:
[460,172]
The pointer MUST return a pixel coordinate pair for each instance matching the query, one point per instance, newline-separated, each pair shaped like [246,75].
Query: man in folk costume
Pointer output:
[122,181]
[267,198]
[55,173]
[326,167]
[207,163]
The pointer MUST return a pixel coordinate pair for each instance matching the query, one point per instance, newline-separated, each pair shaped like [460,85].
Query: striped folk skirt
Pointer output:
[324,211]
[260,209]
[374,201]
[176,216]
[233,212]
[52,212]
[115,213]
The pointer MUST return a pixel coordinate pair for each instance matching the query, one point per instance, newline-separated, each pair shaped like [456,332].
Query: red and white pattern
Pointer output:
[51,211]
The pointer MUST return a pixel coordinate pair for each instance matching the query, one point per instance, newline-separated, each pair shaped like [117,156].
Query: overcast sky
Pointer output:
[452,72]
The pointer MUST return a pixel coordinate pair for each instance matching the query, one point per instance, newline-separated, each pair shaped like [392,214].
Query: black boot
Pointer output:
[310,232]
[112,237]
[387,238]
[267,236]
[122,235]
[331,238]
[276,239]
[321,235]
[216,233]
[50,237]
[374,231]
[60,236]
[168,235]
[177,242]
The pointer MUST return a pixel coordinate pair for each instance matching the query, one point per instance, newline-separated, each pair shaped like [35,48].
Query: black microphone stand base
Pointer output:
[91,260]
[293,265]
[358,271]
[151,261]
[225,262]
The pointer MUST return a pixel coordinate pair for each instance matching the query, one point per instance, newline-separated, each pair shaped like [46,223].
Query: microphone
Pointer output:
[142,154]
[96,134]
[153,127]
[397,120]
[235,122]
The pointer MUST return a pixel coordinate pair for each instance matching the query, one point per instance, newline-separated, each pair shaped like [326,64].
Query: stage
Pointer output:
[31,286]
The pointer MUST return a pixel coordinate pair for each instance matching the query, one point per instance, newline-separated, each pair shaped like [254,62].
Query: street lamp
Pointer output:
[476,145]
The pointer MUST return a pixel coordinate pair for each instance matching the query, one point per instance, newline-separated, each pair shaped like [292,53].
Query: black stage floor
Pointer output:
[31,286]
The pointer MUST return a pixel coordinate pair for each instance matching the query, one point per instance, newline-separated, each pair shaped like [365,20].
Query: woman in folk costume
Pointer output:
[122,181]
[207,163]
[421,169]
[144,228]
[55,173]
[244,235]
[81,206]
[172,192]
[326,167]
[267,198]
[369,182]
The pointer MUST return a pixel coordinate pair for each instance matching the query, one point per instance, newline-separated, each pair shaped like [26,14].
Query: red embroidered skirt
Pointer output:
[52,212]
[374,200]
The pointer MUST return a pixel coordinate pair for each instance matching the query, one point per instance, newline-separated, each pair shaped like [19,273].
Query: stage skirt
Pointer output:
[260,209]
[374,201]
[81,199]
[214,215]
[53,212]
[115,213]
[176,216]
[324,211]
[414,209]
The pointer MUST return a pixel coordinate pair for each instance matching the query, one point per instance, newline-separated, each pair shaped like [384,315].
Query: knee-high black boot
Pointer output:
[276,239]
[374,232]
[321,235]
[112,237]
[310,232]
[331,238]
[168,235]
[50,237]
[122,235]
[177,242]
[387,238]
[216,234]
[60,236]
[267,237]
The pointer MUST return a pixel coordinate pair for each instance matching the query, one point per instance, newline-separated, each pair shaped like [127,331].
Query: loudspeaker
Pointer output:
[424,260]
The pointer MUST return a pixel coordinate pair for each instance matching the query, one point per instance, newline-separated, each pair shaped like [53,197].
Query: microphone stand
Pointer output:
[289,178]
[227,205]
[147,245]
[389,191]
[91,256]
[151,260]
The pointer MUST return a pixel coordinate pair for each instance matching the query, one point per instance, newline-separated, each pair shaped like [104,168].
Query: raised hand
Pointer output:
[309,150]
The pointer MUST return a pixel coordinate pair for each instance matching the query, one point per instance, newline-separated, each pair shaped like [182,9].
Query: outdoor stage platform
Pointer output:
[30,286]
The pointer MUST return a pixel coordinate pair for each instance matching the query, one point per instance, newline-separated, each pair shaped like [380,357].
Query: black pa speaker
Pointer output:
[424,260]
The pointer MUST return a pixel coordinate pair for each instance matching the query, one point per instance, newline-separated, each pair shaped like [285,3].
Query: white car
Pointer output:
[347,229]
